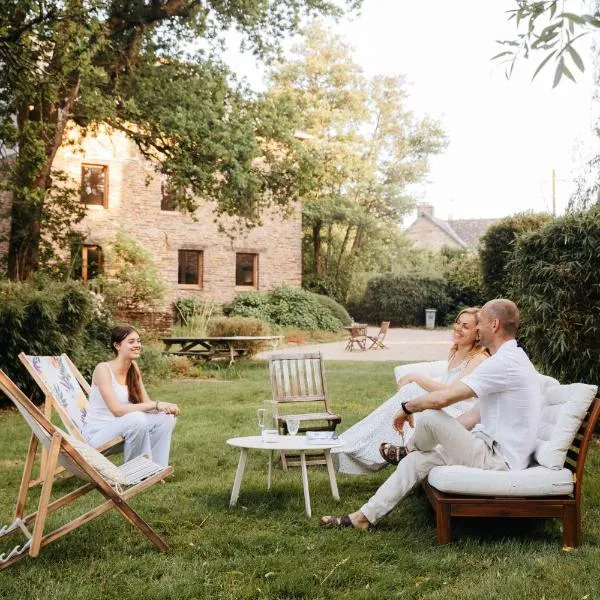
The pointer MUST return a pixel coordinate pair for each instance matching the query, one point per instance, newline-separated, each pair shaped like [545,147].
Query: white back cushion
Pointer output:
[563,411]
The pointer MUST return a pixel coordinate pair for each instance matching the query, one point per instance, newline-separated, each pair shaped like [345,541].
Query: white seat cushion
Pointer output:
[564,408]
[535,481]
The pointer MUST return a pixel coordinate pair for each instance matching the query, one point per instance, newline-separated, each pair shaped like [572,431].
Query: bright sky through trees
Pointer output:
[506,136]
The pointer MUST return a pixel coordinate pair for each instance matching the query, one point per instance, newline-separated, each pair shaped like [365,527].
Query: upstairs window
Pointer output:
[88,262]
[168,197]
[94,185]
[246,270]
[190,267]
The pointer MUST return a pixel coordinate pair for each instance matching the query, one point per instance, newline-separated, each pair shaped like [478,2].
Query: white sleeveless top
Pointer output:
[98,412]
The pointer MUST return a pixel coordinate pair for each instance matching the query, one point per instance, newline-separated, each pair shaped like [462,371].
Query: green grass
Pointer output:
[266,547]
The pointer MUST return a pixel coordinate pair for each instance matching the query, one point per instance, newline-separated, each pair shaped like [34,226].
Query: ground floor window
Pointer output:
[88,262]
[246,270]
[190,267]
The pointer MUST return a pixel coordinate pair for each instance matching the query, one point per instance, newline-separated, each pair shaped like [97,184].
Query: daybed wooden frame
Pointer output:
[567,508]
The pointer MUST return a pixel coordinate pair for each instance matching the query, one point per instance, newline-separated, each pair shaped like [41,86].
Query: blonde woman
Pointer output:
[120,405]
[370,444]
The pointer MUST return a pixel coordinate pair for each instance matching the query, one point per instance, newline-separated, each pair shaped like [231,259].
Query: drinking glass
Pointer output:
[293,424]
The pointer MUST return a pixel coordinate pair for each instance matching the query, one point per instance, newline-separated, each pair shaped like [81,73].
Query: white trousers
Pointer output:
[144,433]
[438,439]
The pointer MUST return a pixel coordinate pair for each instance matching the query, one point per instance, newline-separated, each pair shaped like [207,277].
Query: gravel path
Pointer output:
[406,345]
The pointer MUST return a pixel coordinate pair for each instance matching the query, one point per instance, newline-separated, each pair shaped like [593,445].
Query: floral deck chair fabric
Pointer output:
[56,377]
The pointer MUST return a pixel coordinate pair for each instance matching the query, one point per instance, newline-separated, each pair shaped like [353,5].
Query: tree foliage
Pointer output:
[364,149]
[552,29]
[496,249]
[129,64]
[555,278]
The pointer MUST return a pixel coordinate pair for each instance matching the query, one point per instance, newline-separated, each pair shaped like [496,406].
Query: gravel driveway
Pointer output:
[406,345]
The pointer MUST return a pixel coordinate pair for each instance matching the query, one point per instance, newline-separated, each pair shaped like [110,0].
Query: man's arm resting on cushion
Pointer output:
[440,398]
[469,419]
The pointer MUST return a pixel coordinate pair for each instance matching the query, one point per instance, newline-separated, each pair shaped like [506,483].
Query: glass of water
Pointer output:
[293,424]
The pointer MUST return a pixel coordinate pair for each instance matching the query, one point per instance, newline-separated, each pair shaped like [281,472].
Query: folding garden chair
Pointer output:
[377,340]
[66,391]
[300,379]
[82,461]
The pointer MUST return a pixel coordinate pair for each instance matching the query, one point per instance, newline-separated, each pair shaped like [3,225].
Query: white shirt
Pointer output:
[510,402]
[98,413]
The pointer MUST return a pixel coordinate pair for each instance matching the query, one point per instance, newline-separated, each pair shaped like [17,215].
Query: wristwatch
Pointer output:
[403,405]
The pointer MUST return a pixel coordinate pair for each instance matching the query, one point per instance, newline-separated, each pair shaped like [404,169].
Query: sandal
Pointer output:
[336,522]
[392,454]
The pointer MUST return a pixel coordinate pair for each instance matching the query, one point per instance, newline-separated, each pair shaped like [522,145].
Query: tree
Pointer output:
[363,150]
[551,30]
[128,63]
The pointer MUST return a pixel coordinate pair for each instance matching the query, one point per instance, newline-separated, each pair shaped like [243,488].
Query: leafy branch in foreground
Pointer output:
[551,32]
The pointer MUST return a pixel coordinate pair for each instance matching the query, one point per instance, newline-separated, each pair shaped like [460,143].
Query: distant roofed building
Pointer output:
[430,233]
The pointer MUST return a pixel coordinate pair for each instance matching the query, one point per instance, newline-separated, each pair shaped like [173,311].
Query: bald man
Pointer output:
[498,433]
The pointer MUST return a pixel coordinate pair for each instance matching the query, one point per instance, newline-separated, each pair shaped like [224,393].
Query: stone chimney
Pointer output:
[424,209]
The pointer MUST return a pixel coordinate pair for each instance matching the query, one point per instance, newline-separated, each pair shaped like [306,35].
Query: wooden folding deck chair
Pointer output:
[83,462]
[300,379]
[377,340]
[66,391]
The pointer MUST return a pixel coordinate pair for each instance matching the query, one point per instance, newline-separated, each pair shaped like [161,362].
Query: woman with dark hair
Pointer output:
[371,444]
[120,405]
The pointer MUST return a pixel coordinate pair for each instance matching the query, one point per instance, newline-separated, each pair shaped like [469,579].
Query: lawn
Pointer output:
[266,547]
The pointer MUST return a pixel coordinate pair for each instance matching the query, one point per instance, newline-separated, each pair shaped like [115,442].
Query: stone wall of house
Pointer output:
[425,234]
[134,204]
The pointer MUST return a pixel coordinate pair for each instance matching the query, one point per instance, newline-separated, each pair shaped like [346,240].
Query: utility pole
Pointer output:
[553,193]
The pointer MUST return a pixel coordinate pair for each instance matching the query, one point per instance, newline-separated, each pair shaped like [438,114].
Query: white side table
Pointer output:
[297,443]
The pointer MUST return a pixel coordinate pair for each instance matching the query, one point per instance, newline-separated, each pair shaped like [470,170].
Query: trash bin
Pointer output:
[430,318]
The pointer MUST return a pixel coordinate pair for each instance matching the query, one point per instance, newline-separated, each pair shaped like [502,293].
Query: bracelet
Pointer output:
[403,405]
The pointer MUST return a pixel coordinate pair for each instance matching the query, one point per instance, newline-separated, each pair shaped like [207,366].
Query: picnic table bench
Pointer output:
[210,348]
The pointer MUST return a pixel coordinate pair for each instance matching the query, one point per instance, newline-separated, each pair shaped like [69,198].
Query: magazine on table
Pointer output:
[318,437]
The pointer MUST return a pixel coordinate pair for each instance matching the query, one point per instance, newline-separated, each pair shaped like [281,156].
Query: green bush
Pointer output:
[285,307]
[555,282]
[464,284]
[496,249]
[230,326]
[47,317]
[402,300]
[337,310]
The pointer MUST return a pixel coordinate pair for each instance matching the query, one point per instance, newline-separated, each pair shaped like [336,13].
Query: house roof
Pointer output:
[471,230]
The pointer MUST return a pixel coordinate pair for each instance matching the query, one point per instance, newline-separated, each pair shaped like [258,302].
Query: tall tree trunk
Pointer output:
[329,248]
[316,231]
[340,260]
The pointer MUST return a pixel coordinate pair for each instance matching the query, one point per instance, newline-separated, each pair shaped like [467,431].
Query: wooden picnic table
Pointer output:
[209,348]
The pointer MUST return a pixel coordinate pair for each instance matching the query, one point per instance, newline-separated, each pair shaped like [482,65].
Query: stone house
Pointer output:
[124,192]
[430,233]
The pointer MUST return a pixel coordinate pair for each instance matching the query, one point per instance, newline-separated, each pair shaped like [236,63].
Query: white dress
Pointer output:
[360,453]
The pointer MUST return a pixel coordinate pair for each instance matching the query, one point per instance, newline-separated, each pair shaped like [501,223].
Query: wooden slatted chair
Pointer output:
[377,340]
[298,382]
[66,391]
[566,507]
[357,336]
[82,461]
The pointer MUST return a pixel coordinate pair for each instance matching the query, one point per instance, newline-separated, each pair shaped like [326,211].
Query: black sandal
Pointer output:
[392,454]
[336,522]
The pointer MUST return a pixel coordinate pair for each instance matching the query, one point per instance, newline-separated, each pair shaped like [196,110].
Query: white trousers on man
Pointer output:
[144,433]
[438,439]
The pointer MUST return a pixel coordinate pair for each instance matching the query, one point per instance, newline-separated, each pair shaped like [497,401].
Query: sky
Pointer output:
[505,136]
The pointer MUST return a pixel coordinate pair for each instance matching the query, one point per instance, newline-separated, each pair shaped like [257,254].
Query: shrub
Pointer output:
[402,300]
[496,249]
[337,310]
[285,307]
[464,284]
[47,317]
[230,326]
[134,283]
[555,283]
[193,316]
